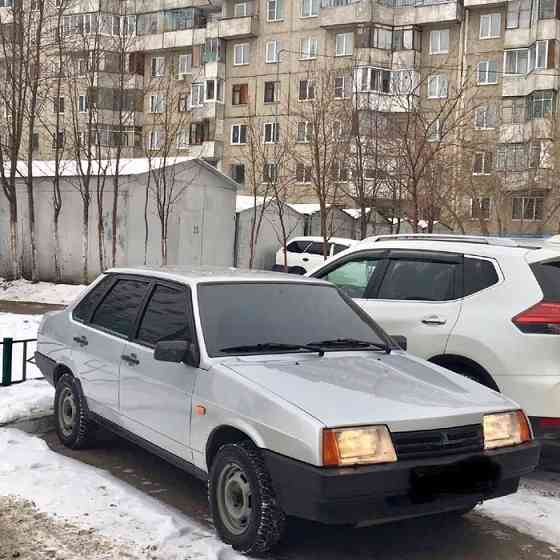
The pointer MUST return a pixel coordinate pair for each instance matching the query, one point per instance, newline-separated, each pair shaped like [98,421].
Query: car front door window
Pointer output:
[353,277]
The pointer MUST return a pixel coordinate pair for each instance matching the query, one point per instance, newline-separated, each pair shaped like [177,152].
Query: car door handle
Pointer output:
[305,259]
[434,320]
[131,359]
[81,340]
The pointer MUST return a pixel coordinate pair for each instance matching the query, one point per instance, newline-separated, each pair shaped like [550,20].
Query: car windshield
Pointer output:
[265,318]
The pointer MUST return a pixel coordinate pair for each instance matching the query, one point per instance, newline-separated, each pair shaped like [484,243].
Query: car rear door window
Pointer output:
[316,248]
[297,246]
[478,274]
[117,312]
[418,280]
[353,277]
[83,310]
[167,317]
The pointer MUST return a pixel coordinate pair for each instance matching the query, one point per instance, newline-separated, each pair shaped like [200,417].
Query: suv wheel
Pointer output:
[73,426]
[244,508]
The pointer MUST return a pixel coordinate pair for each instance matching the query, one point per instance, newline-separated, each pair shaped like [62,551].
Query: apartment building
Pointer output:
[194,77]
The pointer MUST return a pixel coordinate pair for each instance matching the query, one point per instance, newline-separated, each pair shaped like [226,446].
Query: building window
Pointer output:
[490,26]
[271,51]
[238,173]
[197,94]
[547,9]
[58,105]
[339,87]
[308,48]
[83,104]
[437,86]
[513,110]
[483,163]
[344,44]
[303,132]
[275,10]
[154,139]
[487,72]
[58,140]
[529,208]
[185,64]
[157,103]
[239,134]
[480,208]
[303,173]
[214,90]
[158,66]
[516,61]
[439,41]
[271,92]
[241,9]
[271,133]
[196,134]
[270,172]
[241,54]
[406,39]
[485,117]
[35,141]
[540,104]
[309,8]
[376,80]
[306,90]
[240,94]
[538,55]
[512,157]
[182,140]
[433,134]
[340,172]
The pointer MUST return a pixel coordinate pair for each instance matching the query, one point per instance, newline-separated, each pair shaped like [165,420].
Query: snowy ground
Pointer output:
[40,292]
[92,499]
[25,400]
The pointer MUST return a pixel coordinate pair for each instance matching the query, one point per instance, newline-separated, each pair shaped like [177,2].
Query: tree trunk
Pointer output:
[57,268]
[14,257]
[100,237]
[115,216]
[33,242]
[85,243]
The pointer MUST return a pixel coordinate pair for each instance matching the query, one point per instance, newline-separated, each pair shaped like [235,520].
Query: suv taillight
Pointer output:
[543,318]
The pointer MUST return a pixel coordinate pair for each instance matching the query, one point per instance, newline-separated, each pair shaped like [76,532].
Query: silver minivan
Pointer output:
[281,393]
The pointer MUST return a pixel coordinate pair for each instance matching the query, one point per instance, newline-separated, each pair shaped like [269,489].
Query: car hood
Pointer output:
[358,388]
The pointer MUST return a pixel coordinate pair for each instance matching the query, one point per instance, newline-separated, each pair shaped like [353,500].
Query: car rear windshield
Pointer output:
[548,277]
[248,314]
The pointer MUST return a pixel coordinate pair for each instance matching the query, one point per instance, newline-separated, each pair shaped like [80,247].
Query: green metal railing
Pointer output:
[7,345]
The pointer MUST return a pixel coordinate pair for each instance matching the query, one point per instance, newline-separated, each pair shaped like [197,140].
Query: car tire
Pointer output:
[244,508]
[74,428]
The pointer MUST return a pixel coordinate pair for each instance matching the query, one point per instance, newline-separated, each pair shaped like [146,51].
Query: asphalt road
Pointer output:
[473,537]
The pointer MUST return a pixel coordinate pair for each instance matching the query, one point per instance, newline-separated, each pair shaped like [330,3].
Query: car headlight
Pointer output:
[352,446]
[505,429]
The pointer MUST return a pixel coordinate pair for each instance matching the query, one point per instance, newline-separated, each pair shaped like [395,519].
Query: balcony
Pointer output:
[235,27]
[340,13]
[479,3]
[429,12]
[170,40]
[520,85]
[526,131]
[209,149]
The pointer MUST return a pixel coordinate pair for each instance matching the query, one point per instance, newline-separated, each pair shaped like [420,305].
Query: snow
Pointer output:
[244,202]
[39,292]
[25,400]
[20,327]
[306,209]
[93,498]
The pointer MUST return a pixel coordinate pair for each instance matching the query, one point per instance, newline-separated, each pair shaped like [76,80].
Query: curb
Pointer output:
[39,424]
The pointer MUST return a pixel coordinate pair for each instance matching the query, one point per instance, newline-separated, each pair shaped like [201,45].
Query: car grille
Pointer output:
[434,443]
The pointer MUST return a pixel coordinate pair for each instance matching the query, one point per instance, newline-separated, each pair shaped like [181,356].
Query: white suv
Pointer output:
[486,308]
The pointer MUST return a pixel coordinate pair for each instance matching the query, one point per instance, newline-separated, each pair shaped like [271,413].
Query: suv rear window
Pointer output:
[478,275]
[548,277]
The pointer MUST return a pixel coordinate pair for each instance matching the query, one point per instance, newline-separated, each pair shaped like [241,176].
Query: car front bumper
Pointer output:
[411,488]
[46,366]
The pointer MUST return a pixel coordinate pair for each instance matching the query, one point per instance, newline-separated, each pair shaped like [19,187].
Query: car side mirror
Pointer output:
[400,340]
[177,351]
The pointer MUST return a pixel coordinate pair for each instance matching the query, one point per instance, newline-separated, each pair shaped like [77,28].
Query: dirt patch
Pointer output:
[27,534]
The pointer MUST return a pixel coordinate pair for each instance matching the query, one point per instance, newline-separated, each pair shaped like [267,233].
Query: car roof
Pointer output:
[208,274]
[315,238]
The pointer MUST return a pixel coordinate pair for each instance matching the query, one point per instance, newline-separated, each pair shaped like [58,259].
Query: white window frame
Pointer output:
[276,96]
[343,96]
[60,105]
[441,86]
[271,47]
[239,128]
[157,66]
[346,41]
[278,10]
[485,109]
[185,64]
[305,138]
[157,103]
[244,10]
[437,129]
[271,132]
[308,48]
[83,104]
[310,84]
[484,171]
[218,90]
[309,8]
[487,73]
[271,165]
[479,200]
[438,33]
[487,20]
[516,51]
[198,100]
[306,179]
[244,49]
[154,139]
[182,139]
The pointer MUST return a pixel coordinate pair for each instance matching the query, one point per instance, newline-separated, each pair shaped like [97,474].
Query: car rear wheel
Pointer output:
[73,426]
[244,507]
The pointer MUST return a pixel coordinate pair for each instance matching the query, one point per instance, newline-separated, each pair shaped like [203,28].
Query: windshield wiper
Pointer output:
[271,346]
[350,343]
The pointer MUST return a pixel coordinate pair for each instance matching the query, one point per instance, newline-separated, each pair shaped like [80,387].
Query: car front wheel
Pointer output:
[243,504]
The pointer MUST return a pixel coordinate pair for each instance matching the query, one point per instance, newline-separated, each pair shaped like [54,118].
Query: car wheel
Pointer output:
[73,426]
[244,507]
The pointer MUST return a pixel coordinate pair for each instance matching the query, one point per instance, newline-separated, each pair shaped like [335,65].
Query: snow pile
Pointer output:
[25,400]
[92,498]
[40,292]
[20,327]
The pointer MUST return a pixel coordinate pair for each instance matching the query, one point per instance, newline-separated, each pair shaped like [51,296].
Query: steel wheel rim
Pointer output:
[67,411]
[234,497]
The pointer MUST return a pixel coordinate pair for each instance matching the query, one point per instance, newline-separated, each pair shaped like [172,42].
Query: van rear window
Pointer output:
[548,277]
